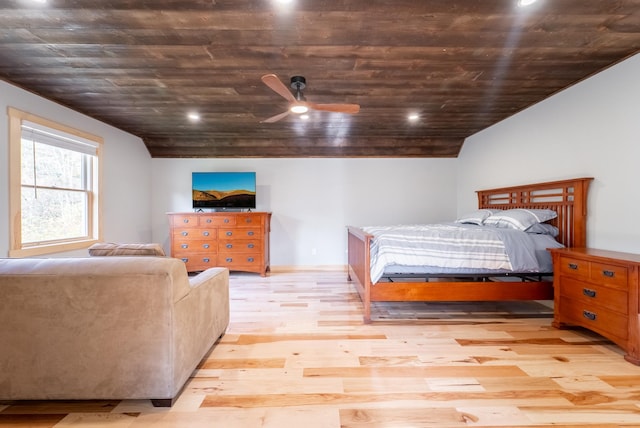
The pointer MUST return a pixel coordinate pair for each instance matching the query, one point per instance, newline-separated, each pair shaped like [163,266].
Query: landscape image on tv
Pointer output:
[224,189]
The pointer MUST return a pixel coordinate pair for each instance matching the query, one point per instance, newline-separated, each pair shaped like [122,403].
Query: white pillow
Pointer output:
[520,218]
[477,216]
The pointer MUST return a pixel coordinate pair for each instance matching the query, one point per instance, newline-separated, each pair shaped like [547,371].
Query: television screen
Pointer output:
[224,190]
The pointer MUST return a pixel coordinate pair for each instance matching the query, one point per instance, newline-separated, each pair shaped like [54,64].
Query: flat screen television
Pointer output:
[224,190]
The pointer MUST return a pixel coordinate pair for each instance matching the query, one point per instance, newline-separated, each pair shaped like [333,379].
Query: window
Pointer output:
[54,186]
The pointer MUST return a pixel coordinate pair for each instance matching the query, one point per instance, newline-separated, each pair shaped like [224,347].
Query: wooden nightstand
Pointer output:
[598,290]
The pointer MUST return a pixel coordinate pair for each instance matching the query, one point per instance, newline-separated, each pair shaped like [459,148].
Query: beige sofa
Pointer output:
[106,327]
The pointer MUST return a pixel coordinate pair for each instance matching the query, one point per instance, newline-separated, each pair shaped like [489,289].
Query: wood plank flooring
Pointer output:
[297,354]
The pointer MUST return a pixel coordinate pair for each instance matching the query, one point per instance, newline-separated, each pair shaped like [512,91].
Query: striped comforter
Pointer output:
[451,246]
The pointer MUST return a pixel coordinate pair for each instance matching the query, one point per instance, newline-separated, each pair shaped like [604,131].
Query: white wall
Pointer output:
[313,200]
[589,130]
[126,169]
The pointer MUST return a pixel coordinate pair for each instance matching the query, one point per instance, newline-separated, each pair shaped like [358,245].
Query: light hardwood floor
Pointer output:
[297,354]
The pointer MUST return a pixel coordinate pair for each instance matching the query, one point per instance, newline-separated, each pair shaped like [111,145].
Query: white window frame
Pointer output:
[94,224]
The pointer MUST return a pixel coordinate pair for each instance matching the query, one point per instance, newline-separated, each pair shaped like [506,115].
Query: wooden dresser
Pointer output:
[235,240]
[598,290]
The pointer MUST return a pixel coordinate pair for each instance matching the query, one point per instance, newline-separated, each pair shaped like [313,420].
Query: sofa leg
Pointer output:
[163,402]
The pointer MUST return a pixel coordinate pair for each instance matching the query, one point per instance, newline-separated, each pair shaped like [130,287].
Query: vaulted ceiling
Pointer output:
[459,66]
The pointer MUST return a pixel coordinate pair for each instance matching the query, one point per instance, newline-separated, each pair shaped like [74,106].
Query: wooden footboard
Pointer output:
[568,198]
[359,262]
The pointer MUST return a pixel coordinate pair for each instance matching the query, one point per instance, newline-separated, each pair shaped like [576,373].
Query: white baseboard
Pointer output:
[316,268]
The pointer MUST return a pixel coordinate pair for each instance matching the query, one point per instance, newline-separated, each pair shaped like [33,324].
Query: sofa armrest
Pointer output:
[200,318]
[206,275]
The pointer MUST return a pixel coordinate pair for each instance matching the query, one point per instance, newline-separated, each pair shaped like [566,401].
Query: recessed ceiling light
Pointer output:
[524,3]
[304,116]
[193,116]
[413,117]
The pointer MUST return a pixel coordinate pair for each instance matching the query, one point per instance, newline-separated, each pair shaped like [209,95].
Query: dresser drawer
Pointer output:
[197,233]
[184,220]
[194,246]
[217,220]
[612,275]
[613,299]
[240,246]
[240,233]
[240,261]
[197,262]
[249,220]
[608,323]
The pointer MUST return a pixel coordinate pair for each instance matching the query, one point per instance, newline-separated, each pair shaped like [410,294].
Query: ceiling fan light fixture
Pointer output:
[299,109]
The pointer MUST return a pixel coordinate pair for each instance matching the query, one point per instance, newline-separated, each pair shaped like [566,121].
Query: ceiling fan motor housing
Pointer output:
[298,82]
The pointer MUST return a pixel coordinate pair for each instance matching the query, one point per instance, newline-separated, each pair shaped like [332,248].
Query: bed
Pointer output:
[567,198]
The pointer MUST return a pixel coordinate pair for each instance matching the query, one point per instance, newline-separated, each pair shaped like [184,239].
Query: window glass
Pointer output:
[54,186]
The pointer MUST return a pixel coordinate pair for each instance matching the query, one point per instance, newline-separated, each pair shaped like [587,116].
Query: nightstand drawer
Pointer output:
[613,299]
[574,267]
[612,275]
[596,318]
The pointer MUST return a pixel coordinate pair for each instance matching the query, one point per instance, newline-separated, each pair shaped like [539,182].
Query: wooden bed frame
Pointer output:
[568,198]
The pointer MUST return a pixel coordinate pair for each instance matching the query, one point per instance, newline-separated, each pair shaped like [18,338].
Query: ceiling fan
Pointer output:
[298,104]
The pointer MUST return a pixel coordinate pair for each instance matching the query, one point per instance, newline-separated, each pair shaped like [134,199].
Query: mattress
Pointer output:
[451,248]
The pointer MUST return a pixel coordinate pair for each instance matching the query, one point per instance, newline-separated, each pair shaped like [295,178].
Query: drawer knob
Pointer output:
[205,246]
[250,259]
[226,220]
[573,266]
[229,245]
[250,233]
[229,260]
[206,260]
[250,246]
[186,220]
[184,233]
[208,220]
[185,259]
[184,246]
[588,292]
[608,273]
[591,316]
[205,233]
[248,220]
[229,233]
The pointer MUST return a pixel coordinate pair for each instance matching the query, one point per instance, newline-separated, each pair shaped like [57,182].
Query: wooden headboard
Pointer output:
[568,198]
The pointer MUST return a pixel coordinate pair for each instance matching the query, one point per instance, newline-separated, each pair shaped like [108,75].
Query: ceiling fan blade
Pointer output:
[276,118]
[272,81]
[336,108]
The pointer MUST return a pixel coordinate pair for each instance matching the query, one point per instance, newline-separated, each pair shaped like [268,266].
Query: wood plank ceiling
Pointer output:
[459,65]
